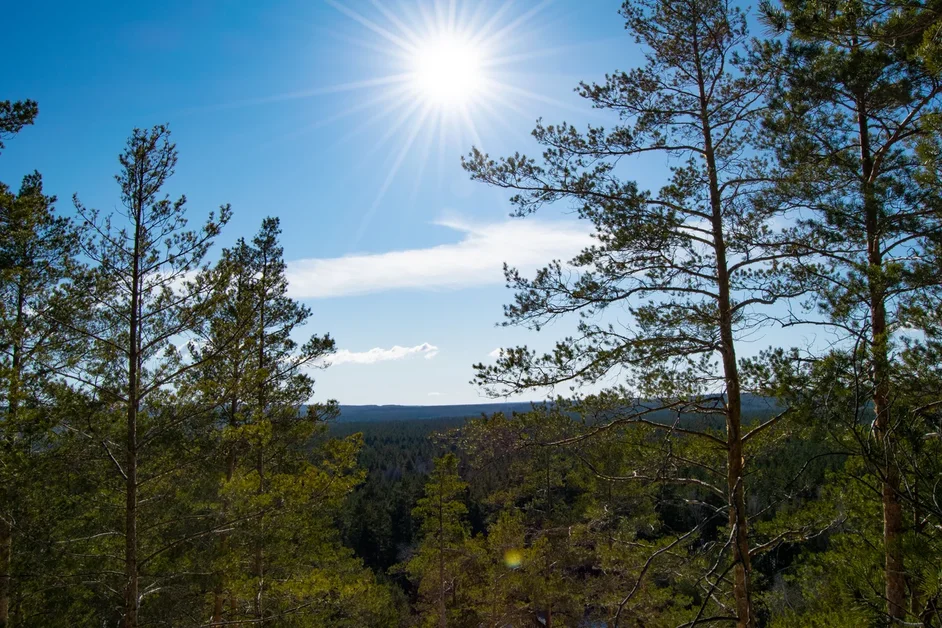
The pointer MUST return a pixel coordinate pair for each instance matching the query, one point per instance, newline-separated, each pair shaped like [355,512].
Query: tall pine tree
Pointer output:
[436,565]
[279,481]
[687,263]
[854,99]
[147,298]
[37,256]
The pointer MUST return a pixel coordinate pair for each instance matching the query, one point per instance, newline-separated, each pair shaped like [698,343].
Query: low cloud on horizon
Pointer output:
[476,260]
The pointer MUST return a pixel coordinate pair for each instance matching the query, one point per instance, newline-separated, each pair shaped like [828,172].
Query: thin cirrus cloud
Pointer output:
[476,260]
[378,354]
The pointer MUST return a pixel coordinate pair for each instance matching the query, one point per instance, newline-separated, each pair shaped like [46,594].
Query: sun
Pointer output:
[422,77]
[443,73]
[447,70]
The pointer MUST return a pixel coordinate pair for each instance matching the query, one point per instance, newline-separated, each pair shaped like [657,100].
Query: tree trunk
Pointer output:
[132,587]
[6,552]
[131,592]
[916,586]
[259,554]
[218,593]
[892,509]
[735,461]
[442,613]
[738,521]
[260,460]
[217,607]
[895,573]
[13,404]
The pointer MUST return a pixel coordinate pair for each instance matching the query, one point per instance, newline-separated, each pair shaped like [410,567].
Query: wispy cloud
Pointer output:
[474,261]
[378,354]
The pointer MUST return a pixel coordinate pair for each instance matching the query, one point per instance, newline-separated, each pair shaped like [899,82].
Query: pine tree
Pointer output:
[280,560]
[148,298]
[37,255]
[688,263]
[436,565]
[545,487]
[495,589]
[14,116]
[854,100]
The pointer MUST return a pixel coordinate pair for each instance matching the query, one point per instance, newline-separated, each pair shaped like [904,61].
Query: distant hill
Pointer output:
[753,408]
[369,414]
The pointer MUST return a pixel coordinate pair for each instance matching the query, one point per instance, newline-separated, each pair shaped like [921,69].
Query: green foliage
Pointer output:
[437,564]
[37,260]
[376,521]
[14,116]
[144,297]
[278,486]
[583,520]
[677,277]
[852,118]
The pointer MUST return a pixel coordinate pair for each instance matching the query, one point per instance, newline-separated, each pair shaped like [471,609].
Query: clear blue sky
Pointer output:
[298,109]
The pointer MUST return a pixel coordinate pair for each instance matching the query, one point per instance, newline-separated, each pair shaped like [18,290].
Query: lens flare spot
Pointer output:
[513,558]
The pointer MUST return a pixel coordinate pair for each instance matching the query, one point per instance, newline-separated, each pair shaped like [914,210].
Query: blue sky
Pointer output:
[297,109]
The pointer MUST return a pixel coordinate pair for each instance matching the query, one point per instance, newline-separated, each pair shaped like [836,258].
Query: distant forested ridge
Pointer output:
[404,413]
[755,407]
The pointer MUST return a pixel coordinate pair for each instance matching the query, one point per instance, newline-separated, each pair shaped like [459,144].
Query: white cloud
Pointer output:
[378,354]
[495,353]
[474,261]
[436,394]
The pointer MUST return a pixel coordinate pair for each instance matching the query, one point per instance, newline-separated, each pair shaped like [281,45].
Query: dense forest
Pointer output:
[163,461]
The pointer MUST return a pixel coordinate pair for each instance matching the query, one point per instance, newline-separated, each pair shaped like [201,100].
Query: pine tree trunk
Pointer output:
[218,597]
[735,462]
[217,607]
[892,509]
[262,403]
[131,592]
[132,587]
[738,521]
[6,553]
[259,554]
[895,573]
[13,404]
[916,586]
[442,613]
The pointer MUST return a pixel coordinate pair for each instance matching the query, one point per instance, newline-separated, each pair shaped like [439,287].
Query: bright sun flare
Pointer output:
[447,70]
[451,70]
